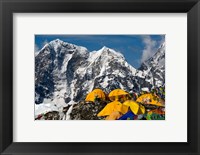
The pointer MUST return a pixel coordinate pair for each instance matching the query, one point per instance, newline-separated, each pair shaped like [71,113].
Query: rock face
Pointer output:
[65,73]
[87,111]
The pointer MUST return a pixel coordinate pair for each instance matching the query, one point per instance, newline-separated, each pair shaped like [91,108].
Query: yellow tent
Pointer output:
[136,108]
[114,95]
[112,107]
[150,99]
[96,93]
[114,116]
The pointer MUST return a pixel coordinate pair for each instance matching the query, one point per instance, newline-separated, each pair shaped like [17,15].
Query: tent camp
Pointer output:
[150,99]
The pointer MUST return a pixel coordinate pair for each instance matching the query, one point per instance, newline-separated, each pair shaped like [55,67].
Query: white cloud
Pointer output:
[149,48]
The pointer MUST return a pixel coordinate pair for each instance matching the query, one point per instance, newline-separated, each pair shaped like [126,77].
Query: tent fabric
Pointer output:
[157,111]
[96,93]
[128,116]
[114,95]
[112,107]
[155,116]
[114,116]
[141,110]
[150,99]
[136,108]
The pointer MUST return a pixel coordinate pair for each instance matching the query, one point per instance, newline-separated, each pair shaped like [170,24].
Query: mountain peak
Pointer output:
[57,41]
[110,52]
[105,48]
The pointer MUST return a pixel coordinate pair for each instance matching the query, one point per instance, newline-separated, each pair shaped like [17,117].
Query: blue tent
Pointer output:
[128,116]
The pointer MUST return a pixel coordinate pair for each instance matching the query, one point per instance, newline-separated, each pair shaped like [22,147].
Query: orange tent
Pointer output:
[96,93]
[112,107]
[136,108]
[115,94]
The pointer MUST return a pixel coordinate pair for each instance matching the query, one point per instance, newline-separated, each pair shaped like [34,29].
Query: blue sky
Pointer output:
[135,48]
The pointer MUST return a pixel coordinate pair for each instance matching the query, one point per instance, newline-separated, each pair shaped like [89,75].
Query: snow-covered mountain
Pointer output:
[153,69]
[55,67]
[65,72]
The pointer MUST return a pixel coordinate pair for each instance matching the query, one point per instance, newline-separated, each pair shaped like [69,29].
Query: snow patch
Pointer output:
[44,108]
[145,89]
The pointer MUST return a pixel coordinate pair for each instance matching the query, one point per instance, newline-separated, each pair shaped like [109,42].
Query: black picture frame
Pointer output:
[8,7]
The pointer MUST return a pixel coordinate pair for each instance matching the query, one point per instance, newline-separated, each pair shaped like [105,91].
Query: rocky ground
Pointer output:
[80,111]
[87,111]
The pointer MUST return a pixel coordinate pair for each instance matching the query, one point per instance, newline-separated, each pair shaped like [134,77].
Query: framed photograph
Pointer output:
[124,82]
[79,76]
